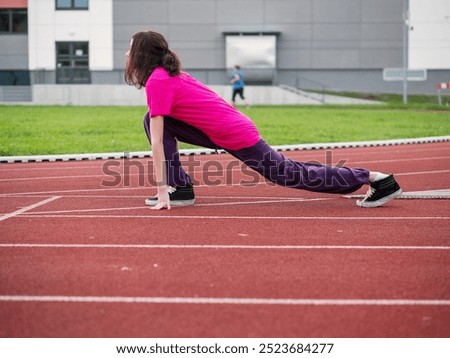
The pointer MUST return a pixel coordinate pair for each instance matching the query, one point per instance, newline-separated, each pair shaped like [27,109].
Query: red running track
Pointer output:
[81,256]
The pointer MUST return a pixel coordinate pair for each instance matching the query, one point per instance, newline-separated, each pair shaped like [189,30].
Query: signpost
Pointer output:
[442,86]
[405,49]
[405,75]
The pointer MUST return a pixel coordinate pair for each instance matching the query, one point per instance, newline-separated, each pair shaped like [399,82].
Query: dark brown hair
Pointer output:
[149,50]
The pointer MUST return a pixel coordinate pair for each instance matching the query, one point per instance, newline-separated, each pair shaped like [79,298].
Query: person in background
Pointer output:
[237,83]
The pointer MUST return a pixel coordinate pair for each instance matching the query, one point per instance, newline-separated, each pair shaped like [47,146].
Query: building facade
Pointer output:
[332,44]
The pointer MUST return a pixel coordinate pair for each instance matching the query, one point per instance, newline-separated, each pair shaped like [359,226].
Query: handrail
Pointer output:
[301,81]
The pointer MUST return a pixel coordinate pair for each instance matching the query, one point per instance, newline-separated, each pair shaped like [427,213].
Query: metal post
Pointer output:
[405,49]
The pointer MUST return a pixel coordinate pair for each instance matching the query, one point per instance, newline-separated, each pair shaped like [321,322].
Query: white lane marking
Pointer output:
[263,202]
[227,300]
[196,217]
[422,173]
[222,247]
[144,207]
[62,177]
[75,191]
[27,208]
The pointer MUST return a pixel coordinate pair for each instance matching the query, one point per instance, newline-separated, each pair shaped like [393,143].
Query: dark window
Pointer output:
[14,78]
[72,4]
[72,59]
[13,21]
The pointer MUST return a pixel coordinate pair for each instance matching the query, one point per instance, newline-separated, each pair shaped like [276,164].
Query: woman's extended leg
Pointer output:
[308,176]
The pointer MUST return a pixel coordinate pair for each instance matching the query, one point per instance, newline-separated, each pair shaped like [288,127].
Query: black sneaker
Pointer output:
[380,192]
[179,196]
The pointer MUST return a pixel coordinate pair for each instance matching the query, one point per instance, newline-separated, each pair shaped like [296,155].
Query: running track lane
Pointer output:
[82,260]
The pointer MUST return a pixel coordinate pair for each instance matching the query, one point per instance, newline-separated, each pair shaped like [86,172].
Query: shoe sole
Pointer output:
[380,202]
[172,203]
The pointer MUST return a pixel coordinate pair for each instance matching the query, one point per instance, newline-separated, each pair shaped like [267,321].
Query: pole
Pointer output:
[405,49]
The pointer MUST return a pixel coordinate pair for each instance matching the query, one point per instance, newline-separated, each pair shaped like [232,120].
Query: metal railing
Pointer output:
[305,84]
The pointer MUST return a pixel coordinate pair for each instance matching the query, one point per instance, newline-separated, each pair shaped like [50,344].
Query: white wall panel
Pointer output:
[429,37]
[47,25]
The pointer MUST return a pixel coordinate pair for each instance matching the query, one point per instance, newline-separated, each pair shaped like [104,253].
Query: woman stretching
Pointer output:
[180,108]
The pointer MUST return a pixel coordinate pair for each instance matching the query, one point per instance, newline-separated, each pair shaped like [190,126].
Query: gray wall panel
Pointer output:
[240,12]
[336,11]
[337,32]
[293,32]
[381,31]
[194,33]
[192,12]
[336,45]
[309,29]
[384,10]
[207,60]
[372,58]
[294,59]
[288,11]
[140,12]
[343,58]
[14,52]
[314,34]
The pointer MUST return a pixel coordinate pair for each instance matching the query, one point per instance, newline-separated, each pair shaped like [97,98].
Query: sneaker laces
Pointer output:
[369,193]
[171,190]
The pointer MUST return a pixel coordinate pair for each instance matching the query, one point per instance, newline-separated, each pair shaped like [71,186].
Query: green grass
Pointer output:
[34,130]
[26,130]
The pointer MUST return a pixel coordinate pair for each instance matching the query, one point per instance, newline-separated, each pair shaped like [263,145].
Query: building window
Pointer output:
[13,21]
[14,78]
[72,60]
[72,4]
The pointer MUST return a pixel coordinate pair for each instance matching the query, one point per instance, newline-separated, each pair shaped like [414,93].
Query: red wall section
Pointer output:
[13,4]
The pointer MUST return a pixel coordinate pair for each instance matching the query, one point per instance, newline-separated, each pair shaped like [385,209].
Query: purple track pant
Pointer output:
[262,158]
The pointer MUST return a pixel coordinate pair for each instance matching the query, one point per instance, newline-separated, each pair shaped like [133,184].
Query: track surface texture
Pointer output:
[82,256]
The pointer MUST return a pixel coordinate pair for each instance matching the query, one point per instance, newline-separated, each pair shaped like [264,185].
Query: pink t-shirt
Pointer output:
[188,100]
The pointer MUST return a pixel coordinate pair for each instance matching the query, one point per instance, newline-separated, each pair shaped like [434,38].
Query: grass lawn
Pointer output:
[34,130]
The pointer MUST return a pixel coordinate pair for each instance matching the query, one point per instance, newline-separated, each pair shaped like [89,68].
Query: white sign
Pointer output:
[396,74]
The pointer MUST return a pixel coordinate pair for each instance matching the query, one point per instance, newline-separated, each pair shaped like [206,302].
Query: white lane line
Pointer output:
[88,210]
[394,160]
[144,207]
[227,300]
[27,208]
[141,196]
[63,177]
[263,202]
[225,217]
[221,247]
[426,172]
[74,191]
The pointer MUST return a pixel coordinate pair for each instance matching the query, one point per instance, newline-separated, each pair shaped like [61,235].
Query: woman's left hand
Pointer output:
[163,198]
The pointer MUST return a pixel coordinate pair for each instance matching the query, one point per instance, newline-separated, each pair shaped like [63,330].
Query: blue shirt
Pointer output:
[239,83]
